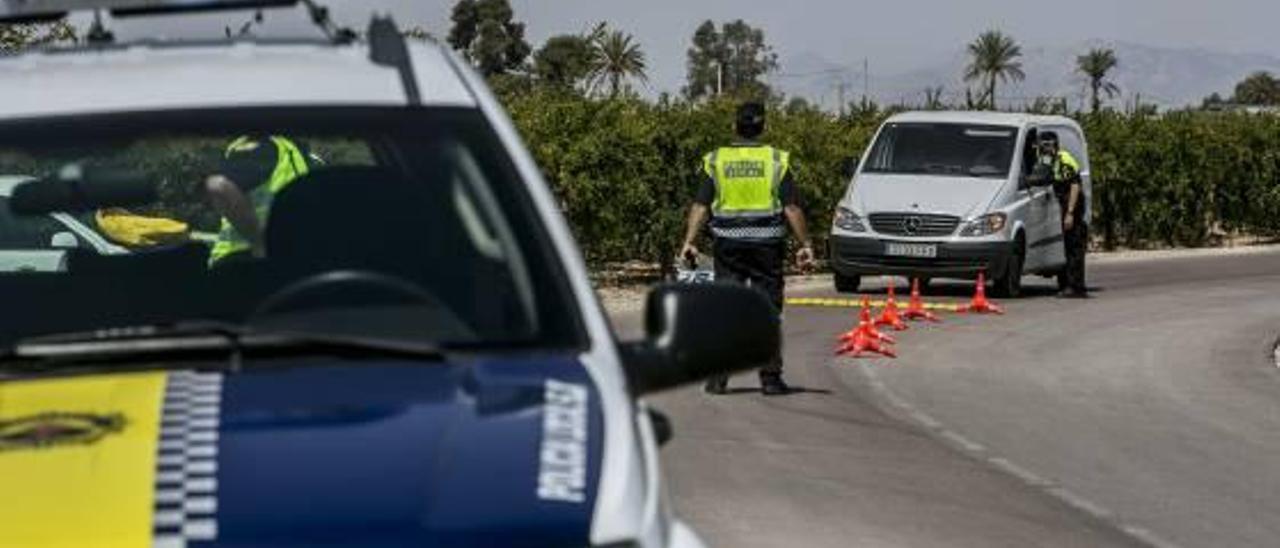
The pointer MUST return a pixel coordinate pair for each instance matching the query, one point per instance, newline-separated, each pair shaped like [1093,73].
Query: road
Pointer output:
[1149,415]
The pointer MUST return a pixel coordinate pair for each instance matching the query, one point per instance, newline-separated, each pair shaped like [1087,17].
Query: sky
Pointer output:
[895,36]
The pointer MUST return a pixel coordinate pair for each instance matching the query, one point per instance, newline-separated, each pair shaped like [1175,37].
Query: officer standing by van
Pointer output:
[750,196]
[1069,188]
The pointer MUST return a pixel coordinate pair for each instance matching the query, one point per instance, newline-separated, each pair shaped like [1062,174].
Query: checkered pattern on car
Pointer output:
[186,490]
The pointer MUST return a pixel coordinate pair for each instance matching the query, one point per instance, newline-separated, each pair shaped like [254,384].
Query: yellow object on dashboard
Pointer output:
[125,228]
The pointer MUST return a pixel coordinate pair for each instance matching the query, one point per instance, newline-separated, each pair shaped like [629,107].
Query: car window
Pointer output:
[378,225]
[958,150]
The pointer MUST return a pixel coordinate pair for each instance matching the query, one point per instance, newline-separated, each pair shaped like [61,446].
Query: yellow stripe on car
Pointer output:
[78,460]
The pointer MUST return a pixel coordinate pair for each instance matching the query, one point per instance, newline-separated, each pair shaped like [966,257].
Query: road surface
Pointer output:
[1149,415]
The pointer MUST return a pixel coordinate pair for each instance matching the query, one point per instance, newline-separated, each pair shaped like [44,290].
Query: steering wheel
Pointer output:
[304,287]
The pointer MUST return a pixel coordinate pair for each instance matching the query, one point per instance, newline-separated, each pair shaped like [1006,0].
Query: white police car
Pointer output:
[411,356]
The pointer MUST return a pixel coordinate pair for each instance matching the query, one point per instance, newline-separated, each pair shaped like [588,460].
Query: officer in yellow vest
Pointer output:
[750,196]
[1068,187]
[253,170]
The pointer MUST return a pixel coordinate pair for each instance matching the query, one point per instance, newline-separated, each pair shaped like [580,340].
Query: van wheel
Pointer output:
[847,284]
[1009,284]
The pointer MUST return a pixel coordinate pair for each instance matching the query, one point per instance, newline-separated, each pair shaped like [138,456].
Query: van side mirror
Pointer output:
[695,331]
[848,167]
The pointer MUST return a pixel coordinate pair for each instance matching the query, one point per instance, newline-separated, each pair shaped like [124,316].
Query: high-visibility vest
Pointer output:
[747,205]
[291,164]
[1067,167]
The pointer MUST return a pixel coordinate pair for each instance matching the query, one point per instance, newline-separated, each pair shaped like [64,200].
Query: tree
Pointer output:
[730,60]
[564,61]
[933,97]
[1213,102]
[615,58]
[487,34]
[993,56]
[1260,88]
[1095,66]
[15,37]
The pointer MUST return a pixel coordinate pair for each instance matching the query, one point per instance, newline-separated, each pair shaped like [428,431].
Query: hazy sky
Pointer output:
[897,35]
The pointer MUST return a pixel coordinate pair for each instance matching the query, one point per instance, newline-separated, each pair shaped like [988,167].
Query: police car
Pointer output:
[411,356]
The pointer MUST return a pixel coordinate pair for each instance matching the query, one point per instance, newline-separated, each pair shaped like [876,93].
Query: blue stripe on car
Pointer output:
[397,454]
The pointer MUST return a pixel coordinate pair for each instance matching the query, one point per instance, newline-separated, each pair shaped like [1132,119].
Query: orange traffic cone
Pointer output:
[863,343]
[865,337]
[890,317]
[915,307]
[980,304]
[867,326]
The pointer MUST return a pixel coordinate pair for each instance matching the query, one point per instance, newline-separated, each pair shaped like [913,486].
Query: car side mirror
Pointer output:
[64,240]
[695,331]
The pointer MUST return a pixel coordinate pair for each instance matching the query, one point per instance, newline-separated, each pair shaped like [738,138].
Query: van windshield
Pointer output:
[956,150]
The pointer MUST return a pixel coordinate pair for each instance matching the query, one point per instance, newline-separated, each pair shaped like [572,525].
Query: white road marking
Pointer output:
[979,452]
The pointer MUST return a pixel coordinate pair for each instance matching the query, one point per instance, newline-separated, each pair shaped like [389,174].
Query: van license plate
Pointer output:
[922,251]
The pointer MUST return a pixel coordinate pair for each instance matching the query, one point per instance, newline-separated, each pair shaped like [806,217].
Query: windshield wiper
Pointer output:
[151,346]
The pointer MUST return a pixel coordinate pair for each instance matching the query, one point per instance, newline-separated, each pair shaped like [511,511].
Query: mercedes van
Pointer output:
[947,195]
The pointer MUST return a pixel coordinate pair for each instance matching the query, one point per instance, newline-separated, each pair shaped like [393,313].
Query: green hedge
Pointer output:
[626,169]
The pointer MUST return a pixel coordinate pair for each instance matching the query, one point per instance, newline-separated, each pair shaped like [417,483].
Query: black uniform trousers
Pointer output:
[1076,242]
[760,266]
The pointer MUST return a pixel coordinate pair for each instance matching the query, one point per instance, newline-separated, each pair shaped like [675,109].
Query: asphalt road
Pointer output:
[1149,415]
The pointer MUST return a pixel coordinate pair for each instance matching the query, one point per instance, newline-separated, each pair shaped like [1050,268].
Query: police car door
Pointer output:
[1041,225]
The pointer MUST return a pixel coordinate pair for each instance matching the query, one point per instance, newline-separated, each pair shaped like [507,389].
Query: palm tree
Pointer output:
[993,56]
[615,58]
[1095,65]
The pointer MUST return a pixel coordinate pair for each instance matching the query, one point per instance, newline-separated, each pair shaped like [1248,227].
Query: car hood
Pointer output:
[964,197]
[482,452]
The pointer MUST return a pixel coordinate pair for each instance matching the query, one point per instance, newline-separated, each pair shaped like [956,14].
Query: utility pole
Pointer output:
[866,79]
[719,78]
[840,104]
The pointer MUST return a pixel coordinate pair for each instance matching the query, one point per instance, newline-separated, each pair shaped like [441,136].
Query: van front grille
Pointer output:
[914,224]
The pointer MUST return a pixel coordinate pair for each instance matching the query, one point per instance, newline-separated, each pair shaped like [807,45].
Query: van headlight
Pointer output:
[985,225]
[848,220]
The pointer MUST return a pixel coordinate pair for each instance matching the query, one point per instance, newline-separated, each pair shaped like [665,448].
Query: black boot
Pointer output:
[716,386]
[771,384]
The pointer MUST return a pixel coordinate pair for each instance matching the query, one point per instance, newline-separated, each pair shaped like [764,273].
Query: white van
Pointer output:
[946,195]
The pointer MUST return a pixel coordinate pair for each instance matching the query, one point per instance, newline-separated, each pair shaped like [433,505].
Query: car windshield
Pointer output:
[958,150]
[355,221]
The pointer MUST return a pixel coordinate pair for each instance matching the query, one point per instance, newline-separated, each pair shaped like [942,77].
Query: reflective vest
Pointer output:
[1066,168]
[291,163]
[747,204]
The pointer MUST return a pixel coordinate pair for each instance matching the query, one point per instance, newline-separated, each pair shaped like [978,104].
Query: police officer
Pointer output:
[253,170]
[1069,188]
[751,197]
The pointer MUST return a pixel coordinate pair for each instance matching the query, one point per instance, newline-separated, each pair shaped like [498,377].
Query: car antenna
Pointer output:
[387,48]
[320,16]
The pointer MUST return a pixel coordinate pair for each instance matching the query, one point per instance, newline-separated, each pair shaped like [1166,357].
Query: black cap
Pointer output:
[750,119]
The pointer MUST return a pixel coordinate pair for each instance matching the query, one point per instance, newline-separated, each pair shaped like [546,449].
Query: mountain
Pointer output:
[1168,77]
